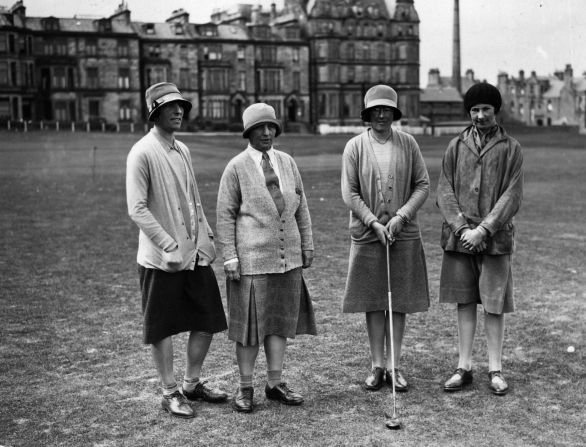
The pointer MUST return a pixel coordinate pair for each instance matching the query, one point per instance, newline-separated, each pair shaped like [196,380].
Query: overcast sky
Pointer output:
[496,35]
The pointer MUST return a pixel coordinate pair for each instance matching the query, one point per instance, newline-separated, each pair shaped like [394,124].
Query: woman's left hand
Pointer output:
[307,258]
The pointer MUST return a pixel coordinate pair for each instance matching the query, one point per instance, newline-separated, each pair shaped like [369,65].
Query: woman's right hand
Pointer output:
[382,233]
[232,270]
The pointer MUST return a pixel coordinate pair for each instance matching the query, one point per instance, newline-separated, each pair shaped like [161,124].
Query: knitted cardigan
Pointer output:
[362,187]
[158,204]
[248,224]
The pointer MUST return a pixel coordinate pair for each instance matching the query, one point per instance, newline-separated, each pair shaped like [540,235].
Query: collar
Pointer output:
[480,139]
[257,155]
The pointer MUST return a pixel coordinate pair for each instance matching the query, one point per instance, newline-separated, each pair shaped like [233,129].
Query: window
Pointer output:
[241,52]
[11,43]
[350,74]
[91,47]
[104,25]
[366,51]
[47,47]
[125,112]
[272,81]
[59,77]
[61,47]
[380,49]
[295,54]
[296,81]
[179,30]
[149,28]
[242,80]
[216,79]
[209,31]
[216,108]
[403,52]
[3,46]
[124,78]
[184,78]
[123,48]
[183,50]
[350,52]
[92,77]
[292,33]
[61,111]
[3,73]
[70,77]
[213,53]
[268,54]
[94,108]
[155,74]
[155,51]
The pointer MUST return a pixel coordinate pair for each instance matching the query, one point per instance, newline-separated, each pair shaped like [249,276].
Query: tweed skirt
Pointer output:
[482,279]
[366,284]
[269,304]
[183,301]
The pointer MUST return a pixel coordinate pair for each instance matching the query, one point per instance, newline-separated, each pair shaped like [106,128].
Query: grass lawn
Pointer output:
[74,371]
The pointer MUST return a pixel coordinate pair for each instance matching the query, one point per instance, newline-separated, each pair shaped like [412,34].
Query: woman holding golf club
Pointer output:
[384,184]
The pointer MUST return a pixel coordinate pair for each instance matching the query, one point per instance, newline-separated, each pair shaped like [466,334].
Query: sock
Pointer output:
[189,384]
[274,377]
[169,389]
[245,381]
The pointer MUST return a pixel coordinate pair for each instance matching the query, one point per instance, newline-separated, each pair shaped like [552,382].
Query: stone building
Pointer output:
[557,99]
[440,100]
[311,59]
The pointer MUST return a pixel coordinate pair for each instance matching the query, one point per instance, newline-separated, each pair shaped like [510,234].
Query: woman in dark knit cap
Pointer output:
[479,192]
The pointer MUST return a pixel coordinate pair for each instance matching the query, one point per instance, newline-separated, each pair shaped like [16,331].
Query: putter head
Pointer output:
[393,424]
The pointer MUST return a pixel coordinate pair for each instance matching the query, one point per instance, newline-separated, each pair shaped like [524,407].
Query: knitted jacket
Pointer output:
[362,187]
[483,188]
[248,224]
[158,204]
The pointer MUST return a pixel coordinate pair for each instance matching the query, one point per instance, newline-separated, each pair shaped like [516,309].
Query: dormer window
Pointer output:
[50,24]
[149,28]
[209,31]
[179,30]
[104,26]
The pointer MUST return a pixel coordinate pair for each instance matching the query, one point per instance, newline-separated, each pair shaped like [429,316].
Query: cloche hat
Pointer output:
[483,93]
[380,95]
[157,95]
[259,113]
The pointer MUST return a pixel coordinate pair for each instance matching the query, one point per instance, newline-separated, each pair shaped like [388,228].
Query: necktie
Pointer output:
[272,182]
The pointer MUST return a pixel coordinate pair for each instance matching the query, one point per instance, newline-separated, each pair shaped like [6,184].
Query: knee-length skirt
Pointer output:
[183,301]
[269,304]
[366,284]
[482,279]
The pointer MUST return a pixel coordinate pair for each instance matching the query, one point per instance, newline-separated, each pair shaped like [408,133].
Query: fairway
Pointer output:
[74,371]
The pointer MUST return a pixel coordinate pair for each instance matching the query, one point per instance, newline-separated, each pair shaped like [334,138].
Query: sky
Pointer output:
[495,35]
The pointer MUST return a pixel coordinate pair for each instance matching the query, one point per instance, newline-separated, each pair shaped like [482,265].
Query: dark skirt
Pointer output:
[482,279]
[367,286]
[269,304]
[177,302]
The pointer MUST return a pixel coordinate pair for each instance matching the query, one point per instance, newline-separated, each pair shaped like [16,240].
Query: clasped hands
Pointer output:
[473,239]
[388,232]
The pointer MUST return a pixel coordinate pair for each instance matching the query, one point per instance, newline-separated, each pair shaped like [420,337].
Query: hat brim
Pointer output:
[169,98]
[397,114]
[246,131]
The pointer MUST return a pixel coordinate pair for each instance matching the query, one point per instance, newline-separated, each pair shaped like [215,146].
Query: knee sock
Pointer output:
[169,389]
[246,381]
[274,377]
[189,384]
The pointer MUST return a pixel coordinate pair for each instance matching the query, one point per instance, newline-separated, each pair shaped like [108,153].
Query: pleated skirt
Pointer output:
[269,304]
[366,284]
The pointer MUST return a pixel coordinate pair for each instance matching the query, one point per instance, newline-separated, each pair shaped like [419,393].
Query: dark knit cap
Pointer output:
[483,93]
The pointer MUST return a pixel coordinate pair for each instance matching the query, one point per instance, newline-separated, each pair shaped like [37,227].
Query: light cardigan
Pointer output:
[248,224]
[158,203]
[362,187]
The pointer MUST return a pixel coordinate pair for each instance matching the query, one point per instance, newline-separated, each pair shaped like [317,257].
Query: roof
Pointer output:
[440,94]
[77,25]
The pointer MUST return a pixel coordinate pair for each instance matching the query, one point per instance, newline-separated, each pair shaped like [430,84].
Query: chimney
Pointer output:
[433,77]
[456,70]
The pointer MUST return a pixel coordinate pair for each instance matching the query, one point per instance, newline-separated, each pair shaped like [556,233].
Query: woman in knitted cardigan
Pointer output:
[264,228]
[384,183]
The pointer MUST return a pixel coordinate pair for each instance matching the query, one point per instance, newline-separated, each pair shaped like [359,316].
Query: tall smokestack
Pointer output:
[456,71]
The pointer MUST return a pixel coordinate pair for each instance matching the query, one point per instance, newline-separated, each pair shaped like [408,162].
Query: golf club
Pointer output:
[392,422]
